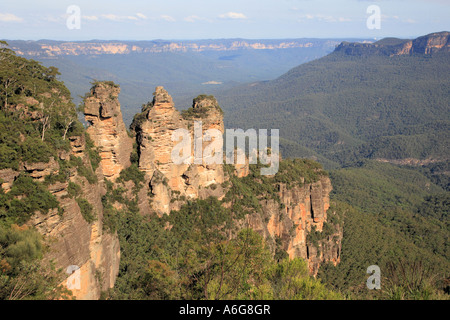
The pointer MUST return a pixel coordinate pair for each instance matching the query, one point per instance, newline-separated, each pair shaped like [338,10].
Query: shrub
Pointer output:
[87,210]
[27,197]
[8,157]
[34,150]
[74,190]
[83,170]
[93,154]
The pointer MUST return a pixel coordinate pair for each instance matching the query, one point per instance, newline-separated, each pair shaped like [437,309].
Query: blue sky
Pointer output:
[214,19]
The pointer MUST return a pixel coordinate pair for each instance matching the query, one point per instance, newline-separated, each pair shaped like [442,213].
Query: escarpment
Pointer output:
[296,223]
[105,169]
[77,242]
[292,224]
[428,44]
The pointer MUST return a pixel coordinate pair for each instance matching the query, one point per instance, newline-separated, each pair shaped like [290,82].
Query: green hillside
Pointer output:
[393,217]
[380,121]
[347,107]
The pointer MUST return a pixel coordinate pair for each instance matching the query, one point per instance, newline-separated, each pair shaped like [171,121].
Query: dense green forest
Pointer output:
[344,107]
[372,119]
[395,217]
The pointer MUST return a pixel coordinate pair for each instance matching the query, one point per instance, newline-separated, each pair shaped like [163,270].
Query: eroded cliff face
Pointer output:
[432,43]
[76,245]
[43,48]
[429,44]
[107,129]
[303,210]
[154,128]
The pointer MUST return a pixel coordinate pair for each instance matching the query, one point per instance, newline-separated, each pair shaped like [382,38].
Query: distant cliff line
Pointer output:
[99,47]
[428,44]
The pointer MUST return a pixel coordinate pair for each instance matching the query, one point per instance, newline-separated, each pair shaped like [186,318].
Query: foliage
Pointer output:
[201,112]
[36,111]
[34,91]
[25,198]
[73,190]
[343,108]
[87,210]
[92,152]
[22,275]
[34,150]
[436,206]
[368,241]
[290,281]
[83,169]
[410,281]
[19,244]
[132,173]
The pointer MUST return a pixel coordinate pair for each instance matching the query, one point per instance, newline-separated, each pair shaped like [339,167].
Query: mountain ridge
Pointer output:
[362,103]
[93,47]
[428,44]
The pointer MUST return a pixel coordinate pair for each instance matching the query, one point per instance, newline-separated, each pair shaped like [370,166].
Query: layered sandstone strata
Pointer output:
[107,129]
[303,209]
[154,129]
[73,243]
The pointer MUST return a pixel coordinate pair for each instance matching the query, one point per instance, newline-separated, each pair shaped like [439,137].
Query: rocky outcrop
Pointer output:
[288,224]
[429,44]
[106,128]
[154,128]
[155,139]
[205,111]
[432,43]
[73,243]
[303,210]
[7,177]
[41,170]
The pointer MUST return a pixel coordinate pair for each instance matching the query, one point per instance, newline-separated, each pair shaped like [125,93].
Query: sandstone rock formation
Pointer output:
[303,209]
[7,177]
[432,43]
[52,49]
[154,128]
[107,130]
[73,242]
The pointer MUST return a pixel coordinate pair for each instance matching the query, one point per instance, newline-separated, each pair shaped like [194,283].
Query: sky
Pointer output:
[213,19]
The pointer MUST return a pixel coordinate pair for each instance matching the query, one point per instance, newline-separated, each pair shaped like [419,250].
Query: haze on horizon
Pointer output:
[202,19]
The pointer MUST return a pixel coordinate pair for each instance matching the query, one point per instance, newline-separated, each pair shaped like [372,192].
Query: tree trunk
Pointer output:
[67,129]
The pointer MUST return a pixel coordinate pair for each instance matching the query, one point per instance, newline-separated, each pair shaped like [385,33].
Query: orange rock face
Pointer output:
[303,208]
[154,136]
[72,241]
[107,130]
